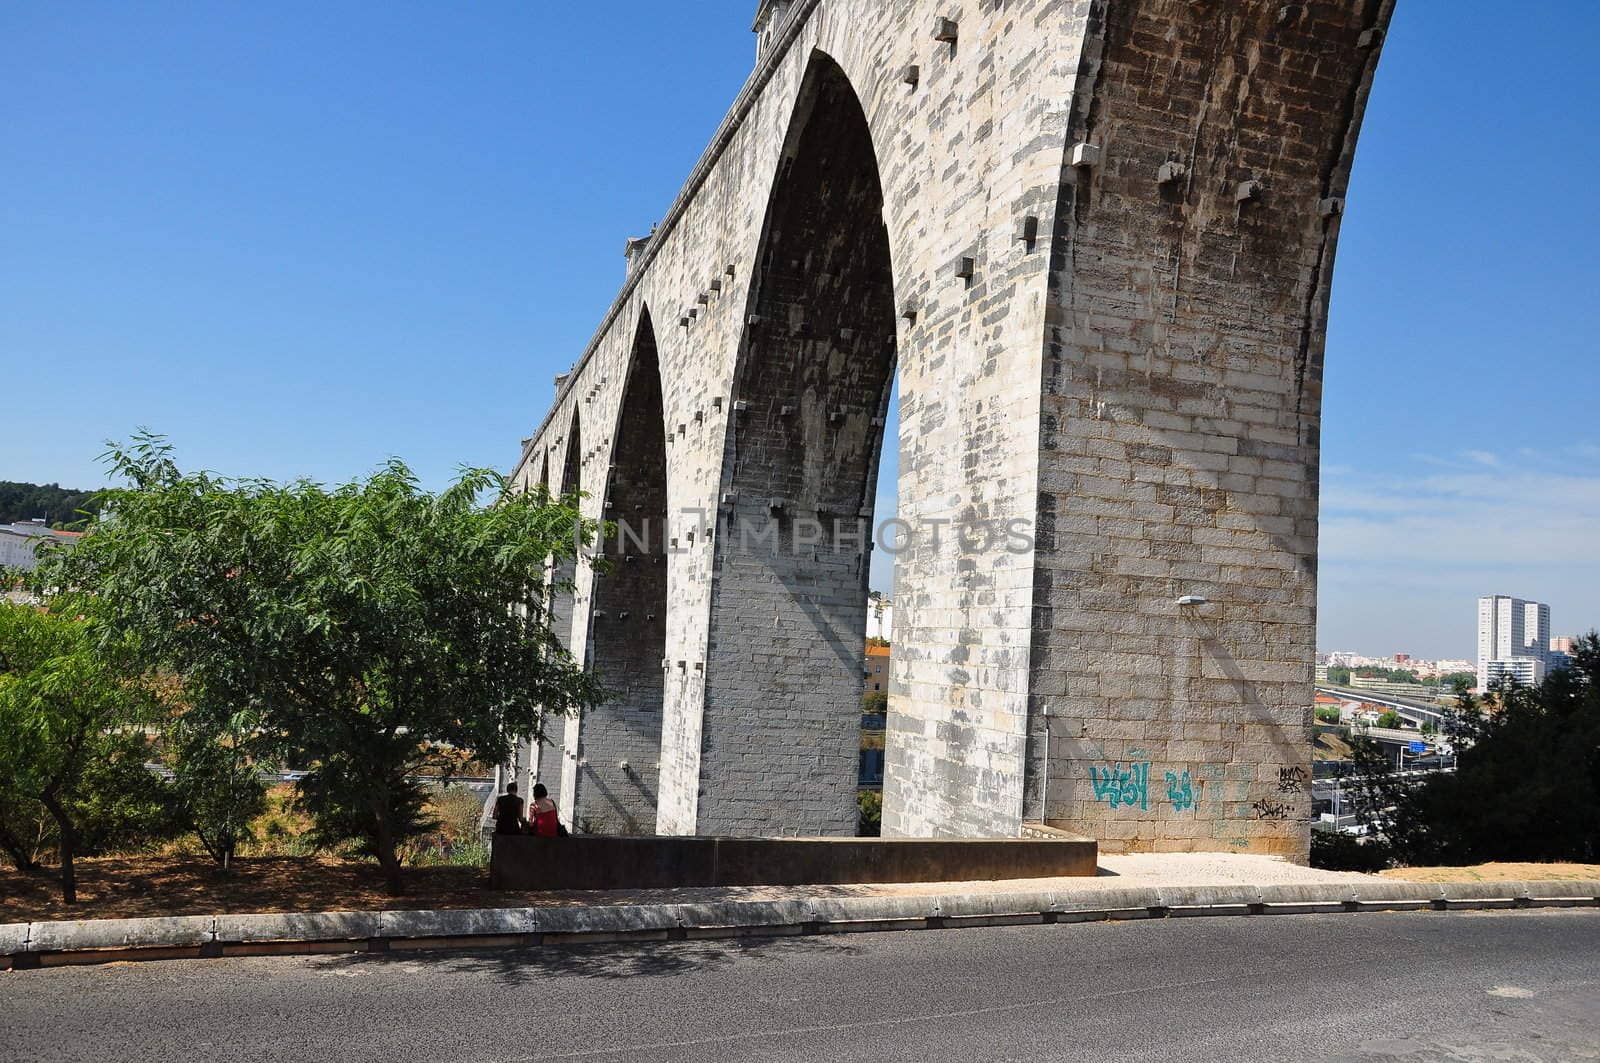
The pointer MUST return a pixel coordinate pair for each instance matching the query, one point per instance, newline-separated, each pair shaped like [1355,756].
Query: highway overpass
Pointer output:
[1410,709]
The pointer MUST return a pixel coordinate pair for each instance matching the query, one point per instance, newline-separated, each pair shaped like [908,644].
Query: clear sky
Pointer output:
[298,238]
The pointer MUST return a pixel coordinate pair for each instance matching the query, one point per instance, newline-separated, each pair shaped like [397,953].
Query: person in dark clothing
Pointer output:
[508,812]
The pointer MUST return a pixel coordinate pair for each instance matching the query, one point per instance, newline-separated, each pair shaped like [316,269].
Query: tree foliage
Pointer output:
[869,813]
[360,626]
[217,788]
[57,506]
[72,741]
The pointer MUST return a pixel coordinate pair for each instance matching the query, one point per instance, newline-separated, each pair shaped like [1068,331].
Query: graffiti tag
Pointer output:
[1269,809]
[1291,780]
[1118,786]
[1180,791]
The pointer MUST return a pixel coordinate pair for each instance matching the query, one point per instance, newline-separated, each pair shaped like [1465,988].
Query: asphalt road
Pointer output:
[1413,987]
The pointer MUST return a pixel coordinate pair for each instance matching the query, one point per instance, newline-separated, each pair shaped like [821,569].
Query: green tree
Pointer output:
[874,702]
[26,831]
[57,506]
[362,626]
[869,813]
[71,736]
[217,787]
[1390,719]
[1339,677]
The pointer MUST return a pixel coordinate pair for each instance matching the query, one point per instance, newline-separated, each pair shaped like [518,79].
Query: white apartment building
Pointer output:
[19,541]
[1527,671]
[1513,638]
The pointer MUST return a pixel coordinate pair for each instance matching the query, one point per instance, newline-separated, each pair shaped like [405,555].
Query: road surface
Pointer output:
[1413,987]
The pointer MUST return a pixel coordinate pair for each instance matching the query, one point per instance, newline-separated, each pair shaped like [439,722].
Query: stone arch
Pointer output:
[781,709]
[619,743]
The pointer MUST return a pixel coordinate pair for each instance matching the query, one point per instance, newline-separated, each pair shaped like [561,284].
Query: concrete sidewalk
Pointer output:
[1128,887]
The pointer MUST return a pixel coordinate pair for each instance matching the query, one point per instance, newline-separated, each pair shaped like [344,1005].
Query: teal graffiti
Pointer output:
[1180,791]
[1118,786]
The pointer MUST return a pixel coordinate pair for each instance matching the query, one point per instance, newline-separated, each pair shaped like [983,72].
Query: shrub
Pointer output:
[1333,851]
[869,821]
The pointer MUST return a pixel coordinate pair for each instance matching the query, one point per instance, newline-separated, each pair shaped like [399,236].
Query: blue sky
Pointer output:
[298,238]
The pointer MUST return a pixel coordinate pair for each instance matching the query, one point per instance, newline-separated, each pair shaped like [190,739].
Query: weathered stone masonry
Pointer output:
[1093,240]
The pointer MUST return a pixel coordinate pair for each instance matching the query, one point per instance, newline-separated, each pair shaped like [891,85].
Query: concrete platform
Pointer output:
[600,862]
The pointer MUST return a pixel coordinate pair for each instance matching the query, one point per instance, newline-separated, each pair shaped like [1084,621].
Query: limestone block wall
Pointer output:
[1181,421]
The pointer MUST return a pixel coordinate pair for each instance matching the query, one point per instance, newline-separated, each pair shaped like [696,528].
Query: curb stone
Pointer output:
[298,926]
[455,922]
[13,938]
[175,931]
[100,940]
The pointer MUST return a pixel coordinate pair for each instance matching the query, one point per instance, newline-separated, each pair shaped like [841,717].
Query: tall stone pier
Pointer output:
[1092,241]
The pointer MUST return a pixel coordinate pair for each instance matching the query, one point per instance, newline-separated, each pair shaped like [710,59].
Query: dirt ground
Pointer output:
[1496,873]
[129,886]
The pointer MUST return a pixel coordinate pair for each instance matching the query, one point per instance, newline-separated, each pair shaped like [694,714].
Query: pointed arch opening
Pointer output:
[619,743]
[811,390]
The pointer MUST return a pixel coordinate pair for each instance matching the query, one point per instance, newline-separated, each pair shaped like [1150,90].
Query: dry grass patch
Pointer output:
[1495,873]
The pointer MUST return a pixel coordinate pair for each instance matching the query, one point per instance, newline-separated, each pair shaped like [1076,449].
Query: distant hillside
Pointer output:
[59,506]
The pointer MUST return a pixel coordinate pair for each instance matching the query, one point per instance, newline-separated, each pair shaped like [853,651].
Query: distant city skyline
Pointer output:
[300,242]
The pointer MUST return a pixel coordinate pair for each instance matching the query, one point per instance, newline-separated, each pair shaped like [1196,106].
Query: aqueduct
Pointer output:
[1093,241]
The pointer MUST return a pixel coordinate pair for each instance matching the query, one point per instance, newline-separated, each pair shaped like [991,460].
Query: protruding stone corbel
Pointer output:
[1027,232]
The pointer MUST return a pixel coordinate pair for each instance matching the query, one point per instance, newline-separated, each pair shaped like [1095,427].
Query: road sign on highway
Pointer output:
[1417,747]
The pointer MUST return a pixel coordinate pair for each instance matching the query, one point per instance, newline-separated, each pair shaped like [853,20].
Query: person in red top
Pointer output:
[543,818]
